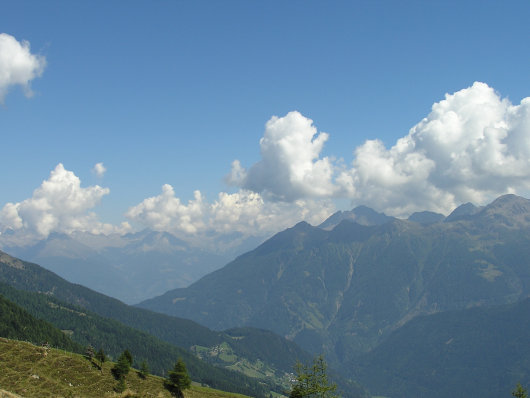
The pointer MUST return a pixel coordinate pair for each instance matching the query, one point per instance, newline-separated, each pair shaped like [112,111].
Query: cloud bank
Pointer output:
[473,146]
[244,212]
[17,65]
[60,204]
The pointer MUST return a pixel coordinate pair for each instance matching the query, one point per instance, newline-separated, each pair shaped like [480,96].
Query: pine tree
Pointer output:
[89,352]
[313,381]
[144,370]
[178,379]
[127,354]
[101,357]
[122,367]
[121,386]
[519,391]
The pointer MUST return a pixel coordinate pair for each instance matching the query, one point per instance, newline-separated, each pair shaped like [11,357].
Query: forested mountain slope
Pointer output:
[17,323]
[87,328]
[278,354]
[344,291]
[477,352]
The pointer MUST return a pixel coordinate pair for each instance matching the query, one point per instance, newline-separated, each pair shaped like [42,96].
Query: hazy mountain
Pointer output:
[345,290]
[426,217]
[362,215]
[131,267]
[463,211]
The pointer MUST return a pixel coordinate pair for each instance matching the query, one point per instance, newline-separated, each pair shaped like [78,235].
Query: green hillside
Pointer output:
[87,328]
[33,371]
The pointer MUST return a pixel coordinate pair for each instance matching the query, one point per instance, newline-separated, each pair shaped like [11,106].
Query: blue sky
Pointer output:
[172,92]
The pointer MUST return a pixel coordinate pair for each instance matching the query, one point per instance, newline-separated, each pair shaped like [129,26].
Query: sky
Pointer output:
[203,118]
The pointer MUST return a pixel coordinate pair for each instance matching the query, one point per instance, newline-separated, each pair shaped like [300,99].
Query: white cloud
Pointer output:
[99,170]
[165,212]
[250,214]
[472,147]
[244,212]
[290,167]
[60,204]
[17,65]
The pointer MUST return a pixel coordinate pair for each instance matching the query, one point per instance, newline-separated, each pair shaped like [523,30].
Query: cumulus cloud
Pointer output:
[99,170]
[472,147]
[243,212]
[60,204]
[290,167]
[166,212]
[17,65]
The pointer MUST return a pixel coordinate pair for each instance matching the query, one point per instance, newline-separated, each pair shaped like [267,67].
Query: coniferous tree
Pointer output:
[89,352]
[122,367]
[312,381]
[519,391]
[144,369]
[128,356]
[121,386]
[178,379]
[101,357]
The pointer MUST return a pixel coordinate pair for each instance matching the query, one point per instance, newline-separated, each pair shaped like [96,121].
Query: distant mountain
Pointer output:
[131,268]
[426,217]
[362,215]
[343,291]
[477,352]
[462,212]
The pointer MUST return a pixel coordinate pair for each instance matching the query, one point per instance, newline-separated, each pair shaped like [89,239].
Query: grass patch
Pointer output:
[32,371]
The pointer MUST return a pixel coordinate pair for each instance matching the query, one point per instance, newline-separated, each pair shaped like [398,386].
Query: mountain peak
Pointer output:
[363,215]
[463,211]
[426,217]
[511,203]
[11,261]
[510,210]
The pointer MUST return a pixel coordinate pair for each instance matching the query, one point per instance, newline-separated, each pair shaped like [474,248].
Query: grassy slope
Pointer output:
[90,329]
[26,370]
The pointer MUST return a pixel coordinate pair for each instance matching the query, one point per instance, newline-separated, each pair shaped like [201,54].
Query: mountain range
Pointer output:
[130,267]
[343,289]
[426,307]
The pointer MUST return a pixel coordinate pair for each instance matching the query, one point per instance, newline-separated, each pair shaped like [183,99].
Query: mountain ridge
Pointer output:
[316,286]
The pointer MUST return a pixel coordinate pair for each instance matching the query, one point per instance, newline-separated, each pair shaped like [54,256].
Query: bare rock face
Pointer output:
[11,261]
